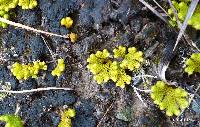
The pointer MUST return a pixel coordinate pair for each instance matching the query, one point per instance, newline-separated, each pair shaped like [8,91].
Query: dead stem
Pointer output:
[35,90]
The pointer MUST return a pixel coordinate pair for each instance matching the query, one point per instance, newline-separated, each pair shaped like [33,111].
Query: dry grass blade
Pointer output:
[153,10]
[161,8]
[190,12]
[30,28]
[175,13]
[34,90]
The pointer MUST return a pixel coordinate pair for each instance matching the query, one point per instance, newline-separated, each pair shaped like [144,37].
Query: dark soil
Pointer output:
[99,24]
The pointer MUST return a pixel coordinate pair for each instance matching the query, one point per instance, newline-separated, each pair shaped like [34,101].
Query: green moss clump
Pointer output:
[6,5]
[27,4]
[99,65]
[59,69]
[4,15]
[182,8]
[193,64]
[173,100]
[66,118]
[24,71]
[105,66]
[132,59]
[11,120]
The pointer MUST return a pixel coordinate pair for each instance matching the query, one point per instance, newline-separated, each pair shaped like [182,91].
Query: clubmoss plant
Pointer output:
[182,8]
[105,66]
[66,118]
[193,64]
[11,120]
[24,71]
[173,100]
[59,69]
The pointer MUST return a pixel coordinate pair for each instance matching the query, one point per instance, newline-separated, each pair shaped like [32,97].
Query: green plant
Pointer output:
[4,15]
[182,8]
[193,63]
[67,22]
[59,69]
[11,120]
[24,71]
[104,67]
[66,118]
[171,99]
[7,5]
[27,4]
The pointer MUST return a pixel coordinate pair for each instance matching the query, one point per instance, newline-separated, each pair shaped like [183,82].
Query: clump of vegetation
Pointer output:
[193,64]
[11,120]
[7,5]
[173,100]
[66,118]
[4,15]
[67,22]
[27,4]
[73,37]
[182,8]
[104,67]
[59,69]
[24,71]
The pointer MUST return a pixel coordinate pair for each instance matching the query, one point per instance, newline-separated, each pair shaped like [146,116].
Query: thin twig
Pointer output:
[146,91]
[190,12]
[149,76]
[139,96]
[53,55]
[17,109]
[34,90]
[98,125]
[30,28]
[191,99]
[161,8]
[153,10]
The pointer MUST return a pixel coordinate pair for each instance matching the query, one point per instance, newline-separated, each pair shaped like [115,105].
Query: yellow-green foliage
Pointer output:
[4,15]
[132,59]
[104,67]
[99,65]
[11,120]
[193,64]
[67,22]
[73,37]
[173,100]
[27,4]
[118,75]
[182,8]
[59,69]
[24,71]
[66,118]
[6,5]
